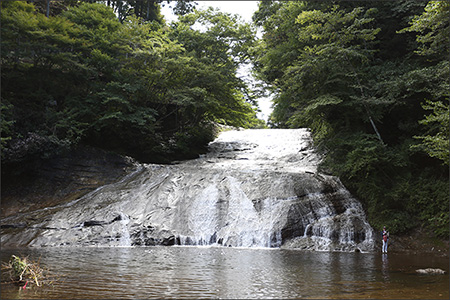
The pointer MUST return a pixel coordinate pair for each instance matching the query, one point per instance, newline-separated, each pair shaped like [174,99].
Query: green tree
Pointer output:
[357,79]
[148,10]
[317,67]
[215,52]
[39,65]
[436,145]
[83,77]
[433,28]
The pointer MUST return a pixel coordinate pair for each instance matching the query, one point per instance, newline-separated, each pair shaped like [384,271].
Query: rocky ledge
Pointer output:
[44,183]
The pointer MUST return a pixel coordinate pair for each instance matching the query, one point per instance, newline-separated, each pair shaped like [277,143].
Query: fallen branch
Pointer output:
[21,270]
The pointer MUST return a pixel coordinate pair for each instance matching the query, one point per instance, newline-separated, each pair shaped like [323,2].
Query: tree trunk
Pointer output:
[365,105]
[47,12]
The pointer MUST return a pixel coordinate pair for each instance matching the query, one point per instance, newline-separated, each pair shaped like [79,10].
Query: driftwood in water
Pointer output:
[21,270]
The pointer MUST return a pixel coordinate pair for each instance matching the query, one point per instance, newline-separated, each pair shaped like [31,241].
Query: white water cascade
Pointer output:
[124,239]
[255,188]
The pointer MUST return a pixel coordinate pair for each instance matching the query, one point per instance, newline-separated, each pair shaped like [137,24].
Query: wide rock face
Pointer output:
[27,187]
[255,188]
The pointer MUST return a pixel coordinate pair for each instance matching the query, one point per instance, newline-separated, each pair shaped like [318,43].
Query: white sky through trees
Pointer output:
[246,10]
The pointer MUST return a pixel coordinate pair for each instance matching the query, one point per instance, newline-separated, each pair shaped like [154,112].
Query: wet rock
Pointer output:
[431,271]
[93,223]
[30,186]
[20,225]
[170,241]
[250,190]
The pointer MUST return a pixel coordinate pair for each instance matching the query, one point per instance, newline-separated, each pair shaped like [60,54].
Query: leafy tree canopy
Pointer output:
[364,76]
[139,88]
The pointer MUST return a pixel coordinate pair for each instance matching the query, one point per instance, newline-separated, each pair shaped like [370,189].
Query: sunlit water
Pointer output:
[220,272]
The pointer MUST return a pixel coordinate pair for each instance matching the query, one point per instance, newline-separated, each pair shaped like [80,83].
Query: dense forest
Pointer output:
[369,78]
[88,75]
[371,81]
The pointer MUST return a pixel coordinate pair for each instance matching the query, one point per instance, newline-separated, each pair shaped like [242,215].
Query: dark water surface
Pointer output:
[213,272]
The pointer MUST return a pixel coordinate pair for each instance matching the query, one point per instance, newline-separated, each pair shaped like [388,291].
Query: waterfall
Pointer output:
[124,240]
[242,225]
[254,188]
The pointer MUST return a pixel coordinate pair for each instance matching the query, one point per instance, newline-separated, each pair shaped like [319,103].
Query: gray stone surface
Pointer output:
[255,188]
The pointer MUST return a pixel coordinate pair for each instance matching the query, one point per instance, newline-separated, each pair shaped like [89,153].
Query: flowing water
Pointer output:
[255,188]
[194,272]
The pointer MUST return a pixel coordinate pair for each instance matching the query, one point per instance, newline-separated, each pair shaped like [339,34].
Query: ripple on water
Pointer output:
[218,272]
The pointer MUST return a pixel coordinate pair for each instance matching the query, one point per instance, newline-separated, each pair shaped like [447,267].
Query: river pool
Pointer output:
[230,273]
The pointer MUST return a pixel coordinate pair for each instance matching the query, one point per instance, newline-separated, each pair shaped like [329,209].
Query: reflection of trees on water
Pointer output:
[385,267]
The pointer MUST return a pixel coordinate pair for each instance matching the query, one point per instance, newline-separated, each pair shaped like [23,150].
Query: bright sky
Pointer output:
[246,10]
[243,8]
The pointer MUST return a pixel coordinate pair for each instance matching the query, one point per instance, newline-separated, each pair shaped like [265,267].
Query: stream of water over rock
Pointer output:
[254,188]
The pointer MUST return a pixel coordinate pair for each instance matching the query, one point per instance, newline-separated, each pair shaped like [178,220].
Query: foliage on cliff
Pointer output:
[140,88]
[370,78]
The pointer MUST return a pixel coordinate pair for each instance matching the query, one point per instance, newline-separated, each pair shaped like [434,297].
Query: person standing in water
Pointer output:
[385,235]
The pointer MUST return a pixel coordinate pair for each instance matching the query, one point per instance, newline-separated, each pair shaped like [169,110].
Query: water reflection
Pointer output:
[204,272]
[385,266]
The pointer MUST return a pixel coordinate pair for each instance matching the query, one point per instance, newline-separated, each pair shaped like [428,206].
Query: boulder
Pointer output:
[430,271]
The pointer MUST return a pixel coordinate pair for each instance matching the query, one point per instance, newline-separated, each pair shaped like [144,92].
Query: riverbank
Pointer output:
[419,241]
